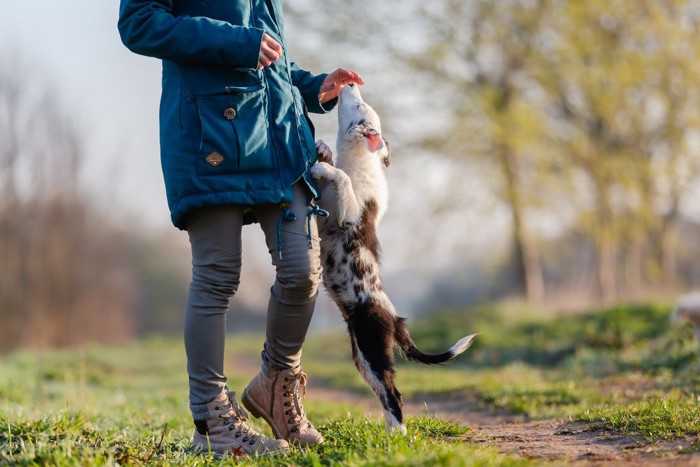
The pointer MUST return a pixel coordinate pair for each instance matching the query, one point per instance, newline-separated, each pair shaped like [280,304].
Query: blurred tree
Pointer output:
[587,110]
[439,40]
[621,81]
[12,245]
[480,53]
[669,125]
[592,101]
[62,280]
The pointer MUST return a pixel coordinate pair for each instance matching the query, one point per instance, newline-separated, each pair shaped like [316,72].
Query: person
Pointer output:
[236,147]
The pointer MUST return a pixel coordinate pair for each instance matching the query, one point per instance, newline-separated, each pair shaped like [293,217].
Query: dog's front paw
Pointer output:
[321,171]
[323,152]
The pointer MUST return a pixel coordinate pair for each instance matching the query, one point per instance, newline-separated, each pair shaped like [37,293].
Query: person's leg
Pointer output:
[275,393]
[215,237]
[296,256]
[220,424]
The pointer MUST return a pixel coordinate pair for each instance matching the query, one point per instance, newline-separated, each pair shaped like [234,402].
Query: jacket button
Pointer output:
[230,113]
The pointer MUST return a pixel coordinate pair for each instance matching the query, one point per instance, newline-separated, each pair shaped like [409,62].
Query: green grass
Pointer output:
[68,439]
[583,367]
[626,370]
[670,417]
[128,405]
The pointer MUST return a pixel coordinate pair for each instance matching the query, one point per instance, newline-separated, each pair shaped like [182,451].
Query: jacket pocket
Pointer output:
[234,131]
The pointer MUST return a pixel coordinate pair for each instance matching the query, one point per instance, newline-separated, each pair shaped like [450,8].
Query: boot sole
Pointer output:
[257,412]
[198,450]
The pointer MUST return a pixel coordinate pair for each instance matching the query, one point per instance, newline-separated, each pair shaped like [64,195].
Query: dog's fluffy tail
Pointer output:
[403,338]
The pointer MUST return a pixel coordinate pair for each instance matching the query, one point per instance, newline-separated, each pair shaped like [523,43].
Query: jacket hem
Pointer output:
[198,200]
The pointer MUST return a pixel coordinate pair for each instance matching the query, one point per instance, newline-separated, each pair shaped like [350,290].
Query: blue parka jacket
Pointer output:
[229,133]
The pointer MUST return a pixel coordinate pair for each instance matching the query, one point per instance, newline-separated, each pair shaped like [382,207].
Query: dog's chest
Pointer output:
[350,256]
[368,184]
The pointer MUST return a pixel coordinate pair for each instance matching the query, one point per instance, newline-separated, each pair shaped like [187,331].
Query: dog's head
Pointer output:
[359,126]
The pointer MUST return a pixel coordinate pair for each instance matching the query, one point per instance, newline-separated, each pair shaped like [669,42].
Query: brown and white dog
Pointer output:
[354,191]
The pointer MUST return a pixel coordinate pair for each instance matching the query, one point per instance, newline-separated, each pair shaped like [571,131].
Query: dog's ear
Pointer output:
[374,140]
[386,158]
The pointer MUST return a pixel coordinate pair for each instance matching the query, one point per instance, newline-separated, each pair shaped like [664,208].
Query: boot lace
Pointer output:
[235,418]
[294,388]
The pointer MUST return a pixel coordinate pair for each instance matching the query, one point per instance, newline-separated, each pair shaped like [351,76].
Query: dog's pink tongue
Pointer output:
[374,141]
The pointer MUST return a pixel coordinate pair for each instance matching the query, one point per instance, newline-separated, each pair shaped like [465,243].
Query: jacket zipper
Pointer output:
[298,112]
[273,151]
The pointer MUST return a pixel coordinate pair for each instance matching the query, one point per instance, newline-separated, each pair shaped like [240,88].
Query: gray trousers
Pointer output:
[215,237]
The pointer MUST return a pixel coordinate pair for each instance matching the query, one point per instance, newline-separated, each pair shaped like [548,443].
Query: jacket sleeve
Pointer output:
[309,85]
[148,27]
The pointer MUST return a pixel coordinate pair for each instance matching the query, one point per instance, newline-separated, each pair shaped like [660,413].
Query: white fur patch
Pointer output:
[461,345]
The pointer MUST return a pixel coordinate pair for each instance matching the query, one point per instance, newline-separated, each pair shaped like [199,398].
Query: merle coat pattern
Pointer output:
[355,194]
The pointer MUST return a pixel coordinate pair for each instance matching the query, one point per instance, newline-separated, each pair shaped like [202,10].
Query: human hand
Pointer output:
[334,82]
[270,51]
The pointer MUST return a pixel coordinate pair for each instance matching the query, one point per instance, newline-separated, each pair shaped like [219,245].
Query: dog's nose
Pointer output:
[352,85]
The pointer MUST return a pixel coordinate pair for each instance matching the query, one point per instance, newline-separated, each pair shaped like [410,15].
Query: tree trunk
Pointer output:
[669,259]
[634,265]
[605,246]
[527,263]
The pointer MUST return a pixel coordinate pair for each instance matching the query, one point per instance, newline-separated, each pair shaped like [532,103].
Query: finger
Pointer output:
[272,43]
[327,86]
[269,53]
[271,56]
[323,97]
[352,77]
[345,76]
[263,60]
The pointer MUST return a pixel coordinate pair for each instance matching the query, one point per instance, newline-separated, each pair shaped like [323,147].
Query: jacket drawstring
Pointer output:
[314,210]
[288,216]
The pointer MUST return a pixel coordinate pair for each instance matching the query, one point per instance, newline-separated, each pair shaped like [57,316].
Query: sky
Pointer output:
[111,93]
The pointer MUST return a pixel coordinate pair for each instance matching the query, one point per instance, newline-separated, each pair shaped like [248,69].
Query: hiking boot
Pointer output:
[276,395]
[224,431]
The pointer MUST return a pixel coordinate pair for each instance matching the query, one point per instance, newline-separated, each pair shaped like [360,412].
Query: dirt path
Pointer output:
[574,443]
[555,440]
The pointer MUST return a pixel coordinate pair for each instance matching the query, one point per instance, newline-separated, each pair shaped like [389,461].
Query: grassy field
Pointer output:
[624,370]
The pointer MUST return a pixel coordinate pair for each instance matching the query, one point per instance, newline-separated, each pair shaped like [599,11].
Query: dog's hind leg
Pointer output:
[372,352]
